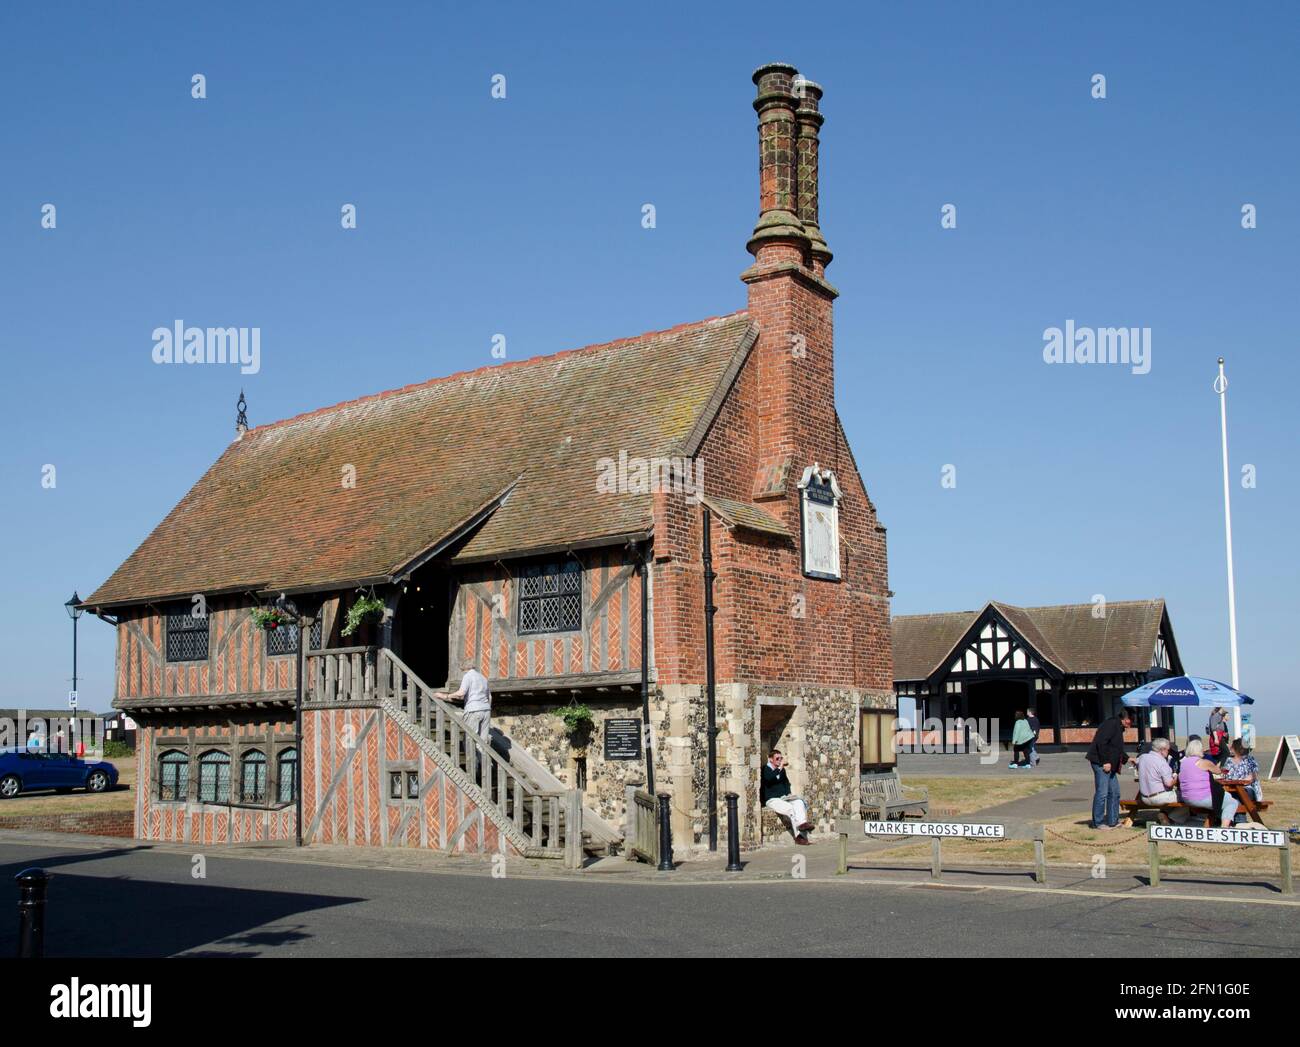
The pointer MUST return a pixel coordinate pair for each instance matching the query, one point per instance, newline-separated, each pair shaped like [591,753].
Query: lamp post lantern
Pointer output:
[75,611]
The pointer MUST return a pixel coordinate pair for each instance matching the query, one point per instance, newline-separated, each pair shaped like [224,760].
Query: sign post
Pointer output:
[937,832]
[1254,837]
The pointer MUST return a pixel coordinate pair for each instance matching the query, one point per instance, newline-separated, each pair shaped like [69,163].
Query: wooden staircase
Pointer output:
[524,799]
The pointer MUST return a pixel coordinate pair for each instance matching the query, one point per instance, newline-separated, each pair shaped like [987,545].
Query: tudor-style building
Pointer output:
[1070,662]
[558,522]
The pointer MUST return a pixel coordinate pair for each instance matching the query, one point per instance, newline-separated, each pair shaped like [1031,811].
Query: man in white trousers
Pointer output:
[777,797]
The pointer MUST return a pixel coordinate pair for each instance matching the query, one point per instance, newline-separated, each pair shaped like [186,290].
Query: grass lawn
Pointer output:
[122,798]
[1071,842]
[952,797]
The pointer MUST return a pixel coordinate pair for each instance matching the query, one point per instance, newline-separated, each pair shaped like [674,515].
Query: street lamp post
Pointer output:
[75,611]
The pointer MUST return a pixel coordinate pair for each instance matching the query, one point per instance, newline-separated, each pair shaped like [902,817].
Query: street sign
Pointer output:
[943,830]
[72,699]
[1205,834]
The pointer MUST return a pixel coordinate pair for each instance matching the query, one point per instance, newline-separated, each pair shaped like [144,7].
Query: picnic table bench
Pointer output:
[1238,789]
[881,796]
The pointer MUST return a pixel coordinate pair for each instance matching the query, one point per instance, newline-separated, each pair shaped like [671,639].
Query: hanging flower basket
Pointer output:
[270,618]
[367,609]
[578,719]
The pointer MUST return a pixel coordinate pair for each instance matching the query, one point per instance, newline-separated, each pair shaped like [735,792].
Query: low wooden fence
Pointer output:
[642,834]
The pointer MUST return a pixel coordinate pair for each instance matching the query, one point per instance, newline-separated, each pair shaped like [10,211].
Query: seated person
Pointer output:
[1197,778]
[776,797]
[1241,767]
[1156,779]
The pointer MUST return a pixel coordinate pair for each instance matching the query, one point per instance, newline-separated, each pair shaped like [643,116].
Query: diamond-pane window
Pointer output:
[187,636]
[253,787]
[286,769]
[550,598]
[173,775]
[284,639]
[214,777]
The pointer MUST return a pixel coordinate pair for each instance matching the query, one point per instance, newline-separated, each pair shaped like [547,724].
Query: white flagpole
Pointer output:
[1221,387]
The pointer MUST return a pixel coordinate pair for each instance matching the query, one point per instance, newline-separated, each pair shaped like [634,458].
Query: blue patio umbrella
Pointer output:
[1185,691]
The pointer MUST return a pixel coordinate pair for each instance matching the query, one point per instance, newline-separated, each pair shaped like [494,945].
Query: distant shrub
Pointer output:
[117,750]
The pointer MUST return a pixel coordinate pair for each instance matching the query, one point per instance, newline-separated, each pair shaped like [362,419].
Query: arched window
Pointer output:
[252,787]
[214,777]
[286,771]
[173,775]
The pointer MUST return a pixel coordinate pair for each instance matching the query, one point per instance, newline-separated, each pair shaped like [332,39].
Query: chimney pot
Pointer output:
[778,219]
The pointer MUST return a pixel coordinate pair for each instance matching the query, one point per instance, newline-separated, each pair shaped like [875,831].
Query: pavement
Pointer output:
[124,899]
[971,765]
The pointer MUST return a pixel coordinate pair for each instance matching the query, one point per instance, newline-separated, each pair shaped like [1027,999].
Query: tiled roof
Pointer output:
[1068,636]
[749,517]
[274,511]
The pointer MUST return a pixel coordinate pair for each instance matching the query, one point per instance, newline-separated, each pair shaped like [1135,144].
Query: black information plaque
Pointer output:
[622,739]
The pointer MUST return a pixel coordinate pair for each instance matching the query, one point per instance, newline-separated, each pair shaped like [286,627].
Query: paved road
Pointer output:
[139,902]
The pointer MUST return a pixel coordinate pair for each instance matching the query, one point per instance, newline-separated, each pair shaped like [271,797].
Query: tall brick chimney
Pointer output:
[789,298]
[810,120]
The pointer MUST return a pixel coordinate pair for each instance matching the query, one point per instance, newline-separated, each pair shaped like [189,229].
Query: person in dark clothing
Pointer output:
[776,796]
[1107,756]
[1035,726]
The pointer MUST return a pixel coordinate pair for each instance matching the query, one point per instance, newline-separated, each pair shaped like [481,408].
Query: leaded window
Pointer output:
[252,787]
[286,769]
[550,598]
[187,633]
[284,639]
[173,775]
[214,777]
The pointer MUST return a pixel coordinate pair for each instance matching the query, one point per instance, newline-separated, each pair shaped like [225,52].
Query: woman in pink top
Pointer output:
[1196,777]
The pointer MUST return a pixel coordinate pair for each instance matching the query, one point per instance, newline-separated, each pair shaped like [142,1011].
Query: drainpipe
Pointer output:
[645,672]
[304,630]
[710,692]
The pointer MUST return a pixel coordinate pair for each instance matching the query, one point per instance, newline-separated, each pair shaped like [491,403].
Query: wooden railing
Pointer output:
[358,674]
[643,826]
[341,674]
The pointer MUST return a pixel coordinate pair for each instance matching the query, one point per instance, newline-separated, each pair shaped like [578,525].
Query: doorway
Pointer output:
[999,700]
[421,633]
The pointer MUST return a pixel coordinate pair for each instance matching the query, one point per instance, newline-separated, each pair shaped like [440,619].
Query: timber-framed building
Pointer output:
[558,521]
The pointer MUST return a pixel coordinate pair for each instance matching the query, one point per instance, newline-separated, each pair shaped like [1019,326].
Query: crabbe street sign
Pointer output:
[1197,834]
[1206,834]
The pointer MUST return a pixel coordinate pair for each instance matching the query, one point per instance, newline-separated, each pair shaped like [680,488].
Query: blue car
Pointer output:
[22,771]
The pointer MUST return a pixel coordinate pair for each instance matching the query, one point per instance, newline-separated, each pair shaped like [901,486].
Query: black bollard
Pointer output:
[665,834]
[31,913]
[733,835]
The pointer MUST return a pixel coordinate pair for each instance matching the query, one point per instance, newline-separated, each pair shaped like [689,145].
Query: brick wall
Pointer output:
[94,823]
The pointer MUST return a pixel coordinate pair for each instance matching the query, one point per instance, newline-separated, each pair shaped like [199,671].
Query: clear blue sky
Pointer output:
[523,217]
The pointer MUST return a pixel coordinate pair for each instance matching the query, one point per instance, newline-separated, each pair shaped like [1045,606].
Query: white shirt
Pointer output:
[478,699]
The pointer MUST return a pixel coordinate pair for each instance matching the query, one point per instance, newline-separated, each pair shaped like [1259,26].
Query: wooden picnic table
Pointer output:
[1241,790]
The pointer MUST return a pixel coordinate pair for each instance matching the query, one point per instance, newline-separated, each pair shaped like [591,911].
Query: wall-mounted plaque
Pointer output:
[819,499]
[622,739]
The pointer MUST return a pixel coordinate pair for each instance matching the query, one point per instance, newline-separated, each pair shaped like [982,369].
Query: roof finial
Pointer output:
[241,420]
